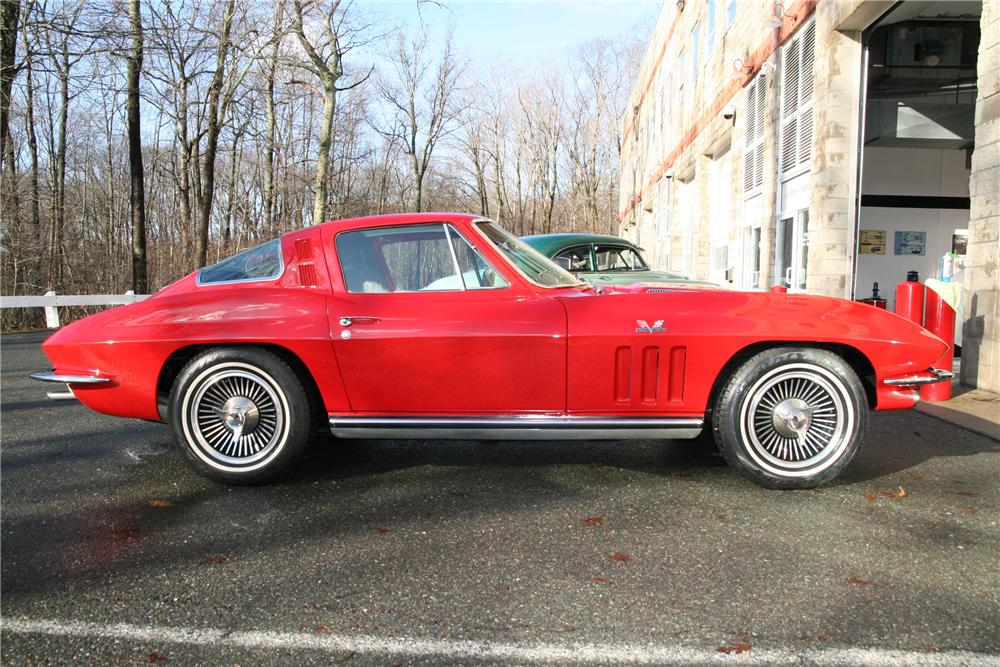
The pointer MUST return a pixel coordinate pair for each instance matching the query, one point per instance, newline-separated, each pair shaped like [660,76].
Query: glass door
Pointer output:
[792,250]
[751,258]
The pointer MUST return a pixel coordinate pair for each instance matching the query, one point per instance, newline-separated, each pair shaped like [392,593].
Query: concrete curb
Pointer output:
[975,410]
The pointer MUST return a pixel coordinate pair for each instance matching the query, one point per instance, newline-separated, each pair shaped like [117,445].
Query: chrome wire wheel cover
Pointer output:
[797,420]
[235,416]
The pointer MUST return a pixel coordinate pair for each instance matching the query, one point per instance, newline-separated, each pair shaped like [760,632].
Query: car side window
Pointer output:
[414,258]
[619,258]
[475,271]
[263,262]
[575,259]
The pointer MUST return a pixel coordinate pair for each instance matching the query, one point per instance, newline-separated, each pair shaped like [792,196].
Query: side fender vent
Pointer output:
[307,275]
[307,268]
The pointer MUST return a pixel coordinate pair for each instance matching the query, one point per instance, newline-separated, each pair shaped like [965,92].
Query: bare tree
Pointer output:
[137,185]
[33,233]
[64,55]
[423,102]
[271,69]
[188,118]
[10,17]
[542,134]
[325,54]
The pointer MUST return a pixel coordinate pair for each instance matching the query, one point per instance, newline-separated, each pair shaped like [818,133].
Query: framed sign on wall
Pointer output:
[872,242]
[910,243]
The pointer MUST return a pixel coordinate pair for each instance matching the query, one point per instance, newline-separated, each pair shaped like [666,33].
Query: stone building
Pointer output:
[824,145]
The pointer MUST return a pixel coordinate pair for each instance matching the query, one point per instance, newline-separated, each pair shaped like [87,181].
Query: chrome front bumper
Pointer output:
[67,380]
[930,376]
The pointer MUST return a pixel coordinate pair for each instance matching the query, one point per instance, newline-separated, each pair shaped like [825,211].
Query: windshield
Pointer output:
[535,266]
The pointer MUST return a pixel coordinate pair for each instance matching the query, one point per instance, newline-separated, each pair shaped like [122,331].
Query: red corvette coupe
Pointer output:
[446,326]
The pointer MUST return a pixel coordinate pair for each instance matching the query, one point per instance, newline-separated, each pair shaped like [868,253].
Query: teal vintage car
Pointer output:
[600,259]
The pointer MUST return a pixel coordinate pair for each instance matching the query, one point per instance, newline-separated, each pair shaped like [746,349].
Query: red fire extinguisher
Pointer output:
[940,321]
[910,301]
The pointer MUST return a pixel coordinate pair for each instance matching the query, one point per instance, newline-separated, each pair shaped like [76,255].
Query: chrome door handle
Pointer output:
[348,320]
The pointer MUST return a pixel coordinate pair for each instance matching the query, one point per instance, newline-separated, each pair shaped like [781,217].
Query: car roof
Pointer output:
[391,219]
[551,243]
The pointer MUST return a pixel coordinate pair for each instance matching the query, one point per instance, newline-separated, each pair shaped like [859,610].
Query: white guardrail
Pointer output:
[51,302]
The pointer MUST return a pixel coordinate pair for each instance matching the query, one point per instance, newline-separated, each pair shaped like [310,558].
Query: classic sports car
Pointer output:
[601,260]
[446,326]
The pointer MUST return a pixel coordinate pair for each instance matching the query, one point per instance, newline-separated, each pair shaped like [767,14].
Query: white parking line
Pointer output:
[485,650]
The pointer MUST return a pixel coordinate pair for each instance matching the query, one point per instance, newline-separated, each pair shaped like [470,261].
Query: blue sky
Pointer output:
[531,31]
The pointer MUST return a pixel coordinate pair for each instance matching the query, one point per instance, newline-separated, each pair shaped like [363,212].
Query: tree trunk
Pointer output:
[323,159]
[10,15]
[59,186]
[35,230]
[212,139]
[137,187]
[272,67]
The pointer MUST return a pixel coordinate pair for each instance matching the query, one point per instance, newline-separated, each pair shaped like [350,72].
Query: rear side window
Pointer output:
[261,263]
[575,259]
[414,258]
[619,258]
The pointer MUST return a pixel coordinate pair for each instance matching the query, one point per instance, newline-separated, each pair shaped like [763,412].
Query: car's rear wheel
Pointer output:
[791,417]
[241,415]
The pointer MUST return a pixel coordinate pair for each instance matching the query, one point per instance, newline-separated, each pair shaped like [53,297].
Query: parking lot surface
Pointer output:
[403,552]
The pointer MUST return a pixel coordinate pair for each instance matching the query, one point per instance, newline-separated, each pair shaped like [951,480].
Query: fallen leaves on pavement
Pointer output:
[736,647]
[858,581]
[212,560]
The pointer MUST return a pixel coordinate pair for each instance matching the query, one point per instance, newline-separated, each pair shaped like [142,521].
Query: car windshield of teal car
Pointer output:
[535,266]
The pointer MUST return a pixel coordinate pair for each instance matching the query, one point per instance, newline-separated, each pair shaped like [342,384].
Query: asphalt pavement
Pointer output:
[114,551]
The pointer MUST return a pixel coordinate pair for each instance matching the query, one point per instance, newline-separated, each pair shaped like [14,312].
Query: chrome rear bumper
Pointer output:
[67,380]
[930,376]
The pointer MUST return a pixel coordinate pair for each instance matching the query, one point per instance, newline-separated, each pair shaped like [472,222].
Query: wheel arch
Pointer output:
[854,357]
[180,357]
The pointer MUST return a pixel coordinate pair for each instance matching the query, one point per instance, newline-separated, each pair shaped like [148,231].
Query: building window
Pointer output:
[711,27]
[694,56]
[681,76]
[658,116]
[753,153]
[669,91]
[796,129]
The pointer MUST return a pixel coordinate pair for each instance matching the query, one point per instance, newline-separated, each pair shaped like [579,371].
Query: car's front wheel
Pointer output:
[791,417]
[241,415]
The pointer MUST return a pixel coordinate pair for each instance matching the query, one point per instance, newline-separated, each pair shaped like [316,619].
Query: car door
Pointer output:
[423,324]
